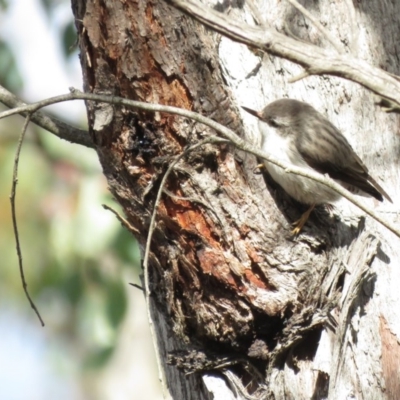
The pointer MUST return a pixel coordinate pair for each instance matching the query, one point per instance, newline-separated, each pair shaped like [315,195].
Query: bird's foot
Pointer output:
[298,225]
[258,169]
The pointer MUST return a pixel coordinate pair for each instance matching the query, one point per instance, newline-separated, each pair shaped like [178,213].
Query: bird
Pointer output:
[296,133]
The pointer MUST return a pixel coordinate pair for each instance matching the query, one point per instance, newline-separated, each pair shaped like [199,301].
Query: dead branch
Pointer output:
[51,124]
[315,60]
[14,216]
[221,129]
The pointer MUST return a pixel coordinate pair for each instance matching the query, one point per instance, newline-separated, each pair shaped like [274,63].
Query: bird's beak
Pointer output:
[252,112]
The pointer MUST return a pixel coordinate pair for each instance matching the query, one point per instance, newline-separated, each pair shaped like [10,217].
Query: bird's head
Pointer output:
[283,113]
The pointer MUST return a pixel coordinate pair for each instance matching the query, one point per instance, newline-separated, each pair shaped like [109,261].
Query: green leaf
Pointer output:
[74,287]
[69,39]
[3,5]
[117,303]
[99,358]
[127,249]
[9,73]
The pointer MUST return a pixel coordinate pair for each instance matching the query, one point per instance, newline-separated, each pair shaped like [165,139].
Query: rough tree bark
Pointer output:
[233,295]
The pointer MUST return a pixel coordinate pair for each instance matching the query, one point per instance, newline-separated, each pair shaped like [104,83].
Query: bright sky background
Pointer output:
[39,56]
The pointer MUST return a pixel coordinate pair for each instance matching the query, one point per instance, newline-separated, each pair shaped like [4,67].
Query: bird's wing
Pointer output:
[343,165]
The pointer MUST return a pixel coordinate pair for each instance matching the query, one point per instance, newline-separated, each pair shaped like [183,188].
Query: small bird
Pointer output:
[296,133]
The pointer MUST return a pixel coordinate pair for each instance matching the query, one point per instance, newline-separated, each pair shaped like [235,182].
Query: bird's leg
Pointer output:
[298,225]
[258,168]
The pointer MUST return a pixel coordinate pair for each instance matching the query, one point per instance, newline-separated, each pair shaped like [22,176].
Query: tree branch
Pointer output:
[14,217]
[318,25]
[315,60]
[221,129]
[51,124]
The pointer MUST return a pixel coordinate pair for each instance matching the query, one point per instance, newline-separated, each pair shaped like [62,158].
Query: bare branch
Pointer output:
[135,285]
[318,25]
[299,77]
[315,60]
[14,216]
[353,26]
[256,13]
[221,129]
[124,222]
[51,124]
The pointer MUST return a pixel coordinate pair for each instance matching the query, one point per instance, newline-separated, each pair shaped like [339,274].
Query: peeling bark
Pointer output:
[232,293]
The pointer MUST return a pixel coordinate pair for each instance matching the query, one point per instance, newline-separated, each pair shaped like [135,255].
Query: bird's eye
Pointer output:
[273,123]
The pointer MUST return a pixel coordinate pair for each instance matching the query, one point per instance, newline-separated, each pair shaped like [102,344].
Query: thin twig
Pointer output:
[59,128]
[135,285]
[256,13]
[351,20]
[318,25]
[121,219]
[14,216]
[222,130]
[300,76]
[212,139]
[313,58]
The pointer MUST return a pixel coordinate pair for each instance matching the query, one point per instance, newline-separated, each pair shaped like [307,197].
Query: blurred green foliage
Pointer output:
[69,39]
[3,5]
[10,77]
[76,254]
[78,259]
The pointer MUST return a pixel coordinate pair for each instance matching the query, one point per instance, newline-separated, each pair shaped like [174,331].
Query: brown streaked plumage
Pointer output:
[296,133]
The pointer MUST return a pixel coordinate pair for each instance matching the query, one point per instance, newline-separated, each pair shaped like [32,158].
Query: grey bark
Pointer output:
[257,313]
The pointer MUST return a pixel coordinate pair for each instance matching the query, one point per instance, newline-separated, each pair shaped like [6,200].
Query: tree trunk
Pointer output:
[233,296]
